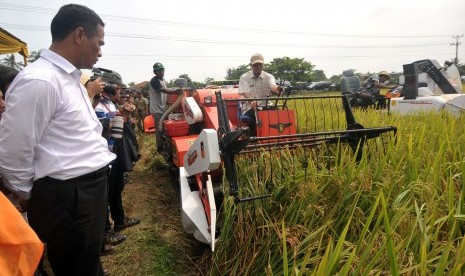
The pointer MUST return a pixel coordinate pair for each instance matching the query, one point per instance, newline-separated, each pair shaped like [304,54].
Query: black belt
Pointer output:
[95,174]
[92,175]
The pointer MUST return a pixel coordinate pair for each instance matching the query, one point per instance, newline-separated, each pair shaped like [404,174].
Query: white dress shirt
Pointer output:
[49,127]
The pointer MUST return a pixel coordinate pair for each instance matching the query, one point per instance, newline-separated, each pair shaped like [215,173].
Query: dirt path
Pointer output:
[159,245]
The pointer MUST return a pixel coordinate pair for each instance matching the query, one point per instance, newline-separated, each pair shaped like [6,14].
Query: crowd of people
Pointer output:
[63,163]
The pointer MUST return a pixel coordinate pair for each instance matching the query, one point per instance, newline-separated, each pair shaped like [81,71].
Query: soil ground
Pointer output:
[158,245]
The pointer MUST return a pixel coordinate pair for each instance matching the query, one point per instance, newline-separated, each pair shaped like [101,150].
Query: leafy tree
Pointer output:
[196,84]
[336,79]
[236,73]
[290,69]
[145,90]
[10,61]
[318,75]
[33,56]
[209,80]
[189,81]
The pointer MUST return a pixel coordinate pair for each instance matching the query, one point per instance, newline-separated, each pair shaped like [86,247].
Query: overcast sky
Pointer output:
[203,38]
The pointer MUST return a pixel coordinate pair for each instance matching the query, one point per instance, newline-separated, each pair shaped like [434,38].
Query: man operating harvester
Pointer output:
[256,83]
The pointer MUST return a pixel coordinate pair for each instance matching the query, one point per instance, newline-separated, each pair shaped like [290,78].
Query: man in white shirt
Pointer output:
[52,154]
[256,83]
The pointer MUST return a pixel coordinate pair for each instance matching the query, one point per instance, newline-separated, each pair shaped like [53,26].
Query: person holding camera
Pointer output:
[94,88]
[55,159]
[115,122]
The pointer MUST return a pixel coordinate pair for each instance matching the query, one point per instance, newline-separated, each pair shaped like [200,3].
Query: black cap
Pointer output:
[112,78]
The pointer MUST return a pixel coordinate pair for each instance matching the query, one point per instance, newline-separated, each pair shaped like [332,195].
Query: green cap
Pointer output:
[158,66]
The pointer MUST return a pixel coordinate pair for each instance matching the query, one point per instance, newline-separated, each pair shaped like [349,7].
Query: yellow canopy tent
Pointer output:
[11,44]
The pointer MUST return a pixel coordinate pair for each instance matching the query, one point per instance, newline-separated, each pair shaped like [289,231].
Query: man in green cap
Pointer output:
[158,94]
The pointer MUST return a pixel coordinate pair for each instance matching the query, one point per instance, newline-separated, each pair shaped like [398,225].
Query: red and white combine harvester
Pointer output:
[207,140]
[428,86]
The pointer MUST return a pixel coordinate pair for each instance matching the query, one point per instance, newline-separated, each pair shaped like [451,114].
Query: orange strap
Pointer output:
[20,248]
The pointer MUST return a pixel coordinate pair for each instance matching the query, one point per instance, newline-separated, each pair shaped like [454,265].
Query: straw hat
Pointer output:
[384,73]
[257,58]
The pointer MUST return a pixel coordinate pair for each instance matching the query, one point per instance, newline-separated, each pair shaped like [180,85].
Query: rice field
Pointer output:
[396,212]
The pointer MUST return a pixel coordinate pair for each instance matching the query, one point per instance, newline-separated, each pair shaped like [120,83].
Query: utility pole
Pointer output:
[456,44]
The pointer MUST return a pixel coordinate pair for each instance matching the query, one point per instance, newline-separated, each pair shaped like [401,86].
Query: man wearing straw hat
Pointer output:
[370,90]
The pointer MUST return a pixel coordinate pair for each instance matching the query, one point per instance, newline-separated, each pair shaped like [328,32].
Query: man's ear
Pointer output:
[79,35]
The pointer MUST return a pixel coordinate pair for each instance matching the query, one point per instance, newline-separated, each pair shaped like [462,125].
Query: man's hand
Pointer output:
[126,110]
[246,95]
[19,202]
[95,87]
[23,205]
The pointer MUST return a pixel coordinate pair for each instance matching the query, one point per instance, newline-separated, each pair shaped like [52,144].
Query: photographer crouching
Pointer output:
[105,89]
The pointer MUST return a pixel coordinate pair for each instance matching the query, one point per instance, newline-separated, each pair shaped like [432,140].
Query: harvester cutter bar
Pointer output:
[285,123]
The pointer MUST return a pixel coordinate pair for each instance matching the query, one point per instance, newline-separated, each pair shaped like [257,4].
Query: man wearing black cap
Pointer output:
[108,109]
[158,94]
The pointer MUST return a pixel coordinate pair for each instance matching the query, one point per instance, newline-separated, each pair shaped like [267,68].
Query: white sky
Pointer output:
[203,38]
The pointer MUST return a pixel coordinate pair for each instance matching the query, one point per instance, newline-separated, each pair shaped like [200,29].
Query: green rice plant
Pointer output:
[400,210]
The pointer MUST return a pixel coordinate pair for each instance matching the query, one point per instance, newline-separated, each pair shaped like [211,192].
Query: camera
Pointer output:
[101,72]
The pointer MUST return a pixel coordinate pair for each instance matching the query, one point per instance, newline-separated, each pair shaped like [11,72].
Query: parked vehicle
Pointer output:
[321,86]
[300,85]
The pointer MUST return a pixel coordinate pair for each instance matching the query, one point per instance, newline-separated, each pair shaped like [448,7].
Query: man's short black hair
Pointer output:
[72,16]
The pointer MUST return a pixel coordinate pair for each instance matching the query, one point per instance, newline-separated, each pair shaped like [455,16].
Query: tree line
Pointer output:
[285,69]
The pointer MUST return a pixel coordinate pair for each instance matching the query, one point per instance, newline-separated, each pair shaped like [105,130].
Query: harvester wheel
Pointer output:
[219,195]
[219,198]
[174,178]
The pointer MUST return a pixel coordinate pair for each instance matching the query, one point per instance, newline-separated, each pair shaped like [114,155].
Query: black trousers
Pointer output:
[252,122]
[115,193]
[69,216]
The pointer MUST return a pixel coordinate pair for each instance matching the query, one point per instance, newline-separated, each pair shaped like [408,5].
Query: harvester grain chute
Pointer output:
[428,86]
[424,86]
[206,139]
